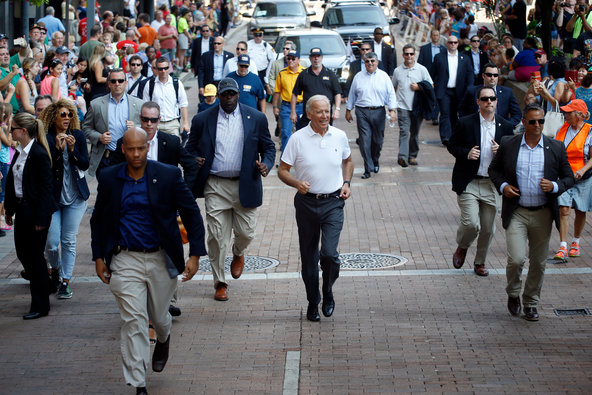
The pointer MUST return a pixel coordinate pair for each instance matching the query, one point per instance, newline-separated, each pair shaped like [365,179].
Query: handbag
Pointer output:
[553,122]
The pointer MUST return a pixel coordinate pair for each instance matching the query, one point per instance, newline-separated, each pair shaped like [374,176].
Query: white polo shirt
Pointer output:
[317,159]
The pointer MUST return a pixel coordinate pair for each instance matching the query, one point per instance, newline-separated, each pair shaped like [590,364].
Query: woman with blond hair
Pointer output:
[69,154]
[98,72]
[29,197]
[26,91]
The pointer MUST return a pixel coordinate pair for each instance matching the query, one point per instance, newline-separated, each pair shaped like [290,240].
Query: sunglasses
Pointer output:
[215,43]
[68,114]
[290,58]
[13,129]
[135,64]
[369,61]
[287,49]
[538,56]
[453,42]
[491,74]
[488,98]
[475,41]
[258,34]
[408,53]
[148,119]
[534,121]
[365,49]
[162,68]
[117,81]
[242,49]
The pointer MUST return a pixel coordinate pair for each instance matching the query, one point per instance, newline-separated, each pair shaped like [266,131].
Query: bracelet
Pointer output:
[347,182]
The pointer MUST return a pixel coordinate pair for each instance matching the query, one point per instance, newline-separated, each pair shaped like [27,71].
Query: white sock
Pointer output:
[576,240]
[563,244]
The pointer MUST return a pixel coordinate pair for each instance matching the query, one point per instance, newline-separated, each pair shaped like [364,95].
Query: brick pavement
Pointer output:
[429,328]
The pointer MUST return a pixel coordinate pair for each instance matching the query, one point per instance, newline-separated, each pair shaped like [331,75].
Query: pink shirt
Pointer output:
[45,87]
[169,43]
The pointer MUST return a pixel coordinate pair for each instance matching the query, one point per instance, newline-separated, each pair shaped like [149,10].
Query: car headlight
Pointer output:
[345,72]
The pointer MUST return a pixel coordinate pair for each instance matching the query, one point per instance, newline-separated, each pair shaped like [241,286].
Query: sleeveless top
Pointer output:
[98,89]
[32,95]
[45,88]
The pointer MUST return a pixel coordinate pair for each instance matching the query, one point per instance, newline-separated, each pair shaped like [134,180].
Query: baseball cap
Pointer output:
[210,90]
[575,105]
[62,50]
[244,60]
[227,84]
[3,36]
[294,53]
[36,26]
[540,52]
[315,51]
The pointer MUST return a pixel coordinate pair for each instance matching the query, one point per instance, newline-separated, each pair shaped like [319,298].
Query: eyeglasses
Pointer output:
[290,58]
[65,114]
[491,74]
[117,81]
[488,98]
[408,53]
[135,64]
[365,49]
[148,119]
[217,43]
[534,121]
[162,68]
[369,61]
[241,49]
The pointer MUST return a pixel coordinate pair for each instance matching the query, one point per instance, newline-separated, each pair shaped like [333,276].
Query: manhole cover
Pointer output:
[358,261]
[571,312]
[431,142]
[252,264]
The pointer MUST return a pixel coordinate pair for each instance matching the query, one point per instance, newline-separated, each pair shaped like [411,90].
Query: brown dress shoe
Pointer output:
[237,265]
[514,306]
[480,270]
[458,259]
[221,293]
[531,314]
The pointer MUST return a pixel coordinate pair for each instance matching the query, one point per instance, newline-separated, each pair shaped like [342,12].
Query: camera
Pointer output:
[563,5]
[581,8]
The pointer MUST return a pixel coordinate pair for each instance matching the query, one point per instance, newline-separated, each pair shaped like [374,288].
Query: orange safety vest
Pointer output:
[575,148]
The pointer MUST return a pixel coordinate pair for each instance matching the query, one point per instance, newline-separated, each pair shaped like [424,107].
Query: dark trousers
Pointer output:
[319,219]
[30,246]
[448,114]
[371,130]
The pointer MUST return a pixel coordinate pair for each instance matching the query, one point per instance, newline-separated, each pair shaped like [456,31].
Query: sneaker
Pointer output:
[64,292]
[574,249]
[561,253]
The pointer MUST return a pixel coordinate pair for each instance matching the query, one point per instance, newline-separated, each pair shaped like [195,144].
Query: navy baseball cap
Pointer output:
[227,84]
[244,60]
[294,53]
[315,51]
[62,50]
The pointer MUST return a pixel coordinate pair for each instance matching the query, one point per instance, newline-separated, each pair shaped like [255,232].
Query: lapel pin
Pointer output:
[154,180]
[248,117]
[499,124]
[547,147]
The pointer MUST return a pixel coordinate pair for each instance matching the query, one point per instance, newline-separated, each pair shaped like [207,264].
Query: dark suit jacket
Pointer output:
[389,58]
[196,53]
[425,56]
[503,169]
[507,105]
[38,203]
[171,152]
[168,194]
[354,68]
[464,74]
[483,60]
[206,67]
[465,136]
[78,160]
[258,146]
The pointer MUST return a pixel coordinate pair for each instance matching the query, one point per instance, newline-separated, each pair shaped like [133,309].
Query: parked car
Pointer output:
[276,16]
[334,51]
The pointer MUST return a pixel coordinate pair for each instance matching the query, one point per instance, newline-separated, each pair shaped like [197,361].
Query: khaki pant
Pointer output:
[171,127]
[224,214]
[142,288]
[534,226]
[478,207]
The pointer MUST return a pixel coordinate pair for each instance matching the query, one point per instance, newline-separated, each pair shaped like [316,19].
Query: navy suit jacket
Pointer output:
[196,53]
[466,135]
[258,146]
[464,74]
[503,169]
[483,60]
[425,56]
[507,105]
[205,73]
[167,193]
[389,58]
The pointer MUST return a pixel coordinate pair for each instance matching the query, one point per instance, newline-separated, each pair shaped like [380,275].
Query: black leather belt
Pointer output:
[478,177]
[534,208]
[289,103]
[324,195]
[372,108]
[227,178]
[145,250]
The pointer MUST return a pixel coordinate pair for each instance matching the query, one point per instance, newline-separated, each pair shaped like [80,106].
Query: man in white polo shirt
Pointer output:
[321,158]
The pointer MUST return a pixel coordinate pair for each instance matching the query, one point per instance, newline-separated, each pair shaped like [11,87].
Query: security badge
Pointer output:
[326,78]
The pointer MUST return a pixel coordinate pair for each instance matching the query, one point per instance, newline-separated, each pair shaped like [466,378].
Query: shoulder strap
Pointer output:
[151,89]
[130,90]
[175,85]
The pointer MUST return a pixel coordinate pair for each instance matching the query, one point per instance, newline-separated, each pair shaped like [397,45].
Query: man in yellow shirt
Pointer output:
[284,85]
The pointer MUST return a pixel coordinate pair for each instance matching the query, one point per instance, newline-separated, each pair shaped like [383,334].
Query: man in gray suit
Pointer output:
[107,120]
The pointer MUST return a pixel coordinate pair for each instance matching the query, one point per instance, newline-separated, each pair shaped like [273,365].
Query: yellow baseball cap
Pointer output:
[210,90]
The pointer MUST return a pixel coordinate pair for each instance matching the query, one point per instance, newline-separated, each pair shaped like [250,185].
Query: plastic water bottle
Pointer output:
[391,123]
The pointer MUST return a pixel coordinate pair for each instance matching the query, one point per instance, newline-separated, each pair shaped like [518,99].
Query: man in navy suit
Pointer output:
[507,105]
[137,249]
[384,52]
[200,46]
[478,59]
[452,76]
[427,53]
[211,67]
[234,149]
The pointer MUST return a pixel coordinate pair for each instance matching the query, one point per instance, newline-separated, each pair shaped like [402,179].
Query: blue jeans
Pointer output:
[285,111]
[64,229]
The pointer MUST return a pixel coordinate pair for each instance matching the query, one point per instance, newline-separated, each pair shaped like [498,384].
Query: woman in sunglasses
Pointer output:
[69,155]
[29,197]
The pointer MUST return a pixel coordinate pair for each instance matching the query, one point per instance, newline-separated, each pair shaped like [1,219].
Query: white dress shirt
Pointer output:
[486,154]
[378,50]
[230,138]
[452,68]
[164,95]
[19,168]
[153,148]
[372,90]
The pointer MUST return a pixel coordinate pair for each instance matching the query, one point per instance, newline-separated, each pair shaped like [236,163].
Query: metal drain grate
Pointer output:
[361,261]
[431,142]
[252,264]
[571,312]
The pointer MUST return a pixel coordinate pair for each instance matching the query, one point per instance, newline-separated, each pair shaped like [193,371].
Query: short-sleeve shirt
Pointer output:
[148,34]
[251,88]
[182,25]
[13,81]
[168,43]
[285,82]
[309,84]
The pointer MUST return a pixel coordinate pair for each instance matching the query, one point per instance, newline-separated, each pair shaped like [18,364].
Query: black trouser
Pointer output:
[370,122]
[448,114]
[319,219]
[30,246]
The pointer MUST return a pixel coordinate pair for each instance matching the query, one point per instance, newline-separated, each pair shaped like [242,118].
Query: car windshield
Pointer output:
[269,10]
[331,45]
[348,16]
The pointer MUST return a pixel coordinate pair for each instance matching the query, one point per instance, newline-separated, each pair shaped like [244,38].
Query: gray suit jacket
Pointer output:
[96,122]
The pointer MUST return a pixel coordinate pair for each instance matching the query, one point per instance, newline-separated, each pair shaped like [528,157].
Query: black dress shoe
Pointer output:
[445,143]
[514,306]
[24,275]
[161,355]
[531,314]
[312,313]
[376,168]
[33,315]
[366,175]
[435,122]
[328,307]
[141,391]
[402,162]
[174,311]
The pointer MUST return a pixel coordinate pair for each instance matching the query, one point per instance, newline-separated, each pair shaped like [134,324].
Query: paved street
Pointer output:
[422,326]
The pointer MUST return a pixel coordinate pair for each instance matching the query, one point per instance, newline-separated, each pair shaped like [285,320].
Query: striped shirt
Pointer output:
[230,137]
